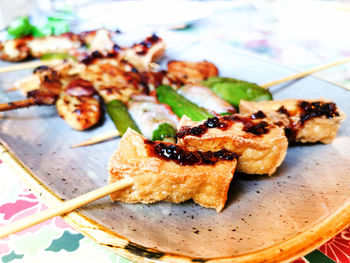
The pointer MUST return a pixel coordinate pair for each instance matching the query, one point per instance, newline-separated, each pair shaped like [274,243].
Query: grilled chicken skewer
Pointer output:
[74,98]
[69,43]
[113,78]
[192,72]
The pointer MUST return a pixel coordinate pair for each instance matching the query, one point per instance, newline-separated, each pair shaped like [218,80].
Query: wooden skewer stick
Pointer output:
[305,73]
[98,138]
[64,208]
[12,89]
[27,65]
[17,104]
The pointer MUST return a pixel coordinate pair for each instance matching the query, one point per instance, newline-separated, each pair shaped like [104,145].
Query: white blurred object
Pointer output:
[157,14]
[311,20]
[10,9]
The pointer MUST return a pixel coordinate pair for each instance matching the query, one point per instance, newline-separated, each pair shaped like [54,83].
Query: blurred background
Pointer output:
[298,33]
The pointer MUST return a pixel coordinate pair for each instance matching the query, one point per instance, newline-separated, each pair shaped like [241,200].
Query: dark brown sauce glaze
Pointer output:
[41,69]
[143,47]
[223,123]
[258,115]
[79,88]
[306,111]
[180,155]
[311,110]
[89,59]
[43,97]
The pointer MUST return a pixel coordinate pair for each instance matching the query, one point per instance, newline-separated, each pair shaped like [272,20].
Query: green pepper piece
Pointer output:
[20,27]
[61,56]
[165,131]
[179,105]
[234,90]
[57,26]
[40,32]
[121,117]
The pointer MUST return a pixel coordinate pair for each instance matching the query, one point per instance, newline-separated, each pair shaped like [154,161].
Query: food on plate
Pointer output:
[22,48]
[78,105]
[67,43]
[185,72]
[206,98]
[260,145]
[179,105]
[306,121]
[235,90]
[155,120]
[120,116]
[142,55]
[168,172]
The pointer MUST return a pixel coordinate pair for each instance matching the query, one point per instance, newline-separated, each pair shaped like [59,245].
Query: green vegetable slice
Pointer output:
[179,105]
[57,26]
[233,90]
[165,131]
[121,117]
[61,56]
[20,27]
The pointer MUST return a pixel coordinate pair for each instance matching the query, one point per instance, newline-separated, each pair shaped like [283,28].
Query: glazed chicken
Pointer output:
[74,98]
[306,121]
[142,55]
[77,104]
[168,172]
[261,145]
[183,72]
[69,43]
[22,48]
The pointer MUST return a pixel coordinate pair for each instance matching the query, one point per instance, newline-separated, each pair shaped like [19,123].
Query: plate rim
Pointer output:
[287,250]
[290,249]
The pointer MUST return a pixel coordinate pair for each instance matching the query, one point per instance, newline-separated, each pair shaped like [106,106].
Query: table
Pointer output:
[264,29]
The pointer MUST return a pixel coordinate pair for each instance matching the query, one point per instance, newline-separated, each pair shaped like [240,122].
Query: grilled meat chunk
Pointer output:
[78,106]
[183,72]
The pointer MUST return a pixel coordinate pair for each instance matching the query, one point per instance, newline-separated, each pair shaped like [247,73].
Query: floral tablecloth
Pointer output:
[262,28]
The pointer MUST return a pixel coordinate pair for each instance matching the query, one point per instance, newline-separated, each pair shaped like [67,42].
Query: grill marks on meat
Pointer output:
[22,48]
[183,72]
[49,88]
[78,106]
[114,82]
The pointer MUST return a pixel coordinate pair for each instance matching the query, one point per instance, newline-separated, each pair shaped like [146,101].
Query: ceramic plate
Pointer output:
[266,218]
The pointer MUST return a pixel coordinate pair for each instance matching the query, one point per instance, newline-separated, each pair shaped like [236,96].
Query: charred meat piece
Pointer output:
[97,40]
[113,82]
[261,145]
[164,171]
[78,106]
[22,48]
[183,72]
[306,121]
[141,55]
[15,49]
